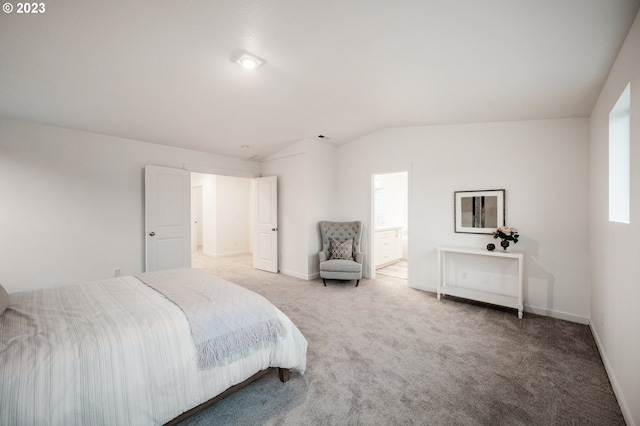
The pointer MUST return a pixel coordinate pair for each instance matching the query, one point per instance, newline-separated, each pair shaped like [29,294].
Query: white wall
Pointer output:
[323,182]
[290,168]
[615,266]
[232,204]
[72,202]
[307,179]
[543,165]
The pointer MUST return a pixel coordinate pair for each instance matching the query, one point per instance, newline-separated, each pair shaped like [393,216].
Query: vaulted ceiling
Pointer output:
[160,71]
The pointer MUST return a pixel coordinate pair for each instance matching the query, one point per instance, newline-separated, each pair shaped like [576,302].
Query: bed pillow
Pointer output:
[4,299]
[342,250]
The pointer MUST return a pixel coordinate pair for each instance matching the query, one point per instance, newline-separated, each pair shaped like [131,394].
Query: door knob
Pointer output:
[151,234]
[274,229]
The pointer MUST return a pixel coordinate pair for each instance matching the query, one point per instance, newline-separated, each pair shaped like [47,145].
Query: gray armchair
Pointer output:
[337,262]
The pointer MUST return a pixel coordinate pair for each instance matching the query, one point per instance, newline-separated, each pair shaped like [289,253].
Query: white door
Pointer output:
[265,246]
[194,220]
[196,217]
[167,194]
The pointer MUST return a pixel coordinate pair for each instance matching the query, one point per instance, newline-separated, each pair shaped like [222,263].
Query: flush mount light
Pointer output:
[245,147]
[246,59]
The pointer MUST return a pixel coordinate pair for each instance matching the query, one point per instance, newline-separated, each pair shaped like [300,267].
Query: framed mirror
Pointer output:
[479,212]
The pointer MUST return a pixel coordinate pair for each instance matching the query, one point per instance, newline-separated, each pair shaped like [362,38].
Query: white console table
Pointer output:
[496,299]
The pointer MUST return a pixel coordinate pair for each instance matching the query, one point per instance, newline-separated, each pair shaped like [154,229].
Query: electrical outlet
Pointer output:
[465,275]
[116,272]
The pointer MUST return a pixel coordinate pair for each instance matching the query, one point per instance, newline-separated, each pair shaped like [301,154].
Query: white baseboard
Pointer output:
[234,253]
[296,275]
[556,314]
[534,310]
[624,407]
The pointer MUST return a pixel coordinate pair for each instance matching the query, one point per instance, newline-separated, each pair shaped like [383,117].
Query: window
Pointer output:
[620,158]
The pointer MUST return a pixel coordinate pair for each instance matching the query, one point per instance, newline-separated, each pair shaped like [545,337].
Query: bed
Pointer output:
[137,350]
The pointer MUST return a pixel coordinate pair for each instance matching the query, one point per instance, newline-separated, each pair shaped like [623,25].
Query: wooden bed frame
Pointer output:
[283,374]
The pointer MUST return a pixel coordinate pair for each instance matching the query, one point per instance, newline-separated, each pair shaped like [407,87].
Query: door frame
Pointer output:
[196,182]
[397,168]
[196,168]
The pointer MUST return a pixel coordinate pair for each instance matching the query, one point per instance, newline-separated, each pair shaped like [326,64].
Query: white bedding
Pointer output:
[227,322]
[113,352]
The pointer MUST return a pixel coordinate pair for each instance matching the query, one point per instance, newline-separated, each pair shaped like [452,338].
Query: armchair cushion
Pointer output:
[341,250]
[342,266]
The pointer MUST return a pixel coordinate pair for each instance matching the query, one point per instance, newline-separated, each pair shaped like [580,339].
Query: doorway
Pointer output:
[220,216]
[184,207]
[390,239]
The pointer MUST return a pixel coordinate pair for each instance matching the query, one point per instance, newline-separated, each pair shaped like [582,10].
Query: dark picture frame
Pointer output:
[479,212]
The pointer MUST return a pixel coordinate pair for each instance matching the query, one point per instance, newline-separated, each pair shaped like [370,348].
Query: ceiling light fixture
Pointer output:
[246,59]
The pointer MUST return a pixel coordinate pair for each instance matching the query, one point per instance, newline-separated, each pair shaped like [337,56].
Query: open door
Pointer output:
[167,201]
[265,248]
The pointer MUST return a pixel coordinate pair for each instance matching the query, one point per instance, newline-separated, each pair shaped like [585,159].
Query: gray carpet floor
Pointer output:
[384,354]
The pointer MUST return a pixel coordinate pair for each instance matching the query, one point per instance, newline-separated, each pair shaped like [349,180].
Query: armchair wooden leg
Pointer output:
[357,282]
[324,282]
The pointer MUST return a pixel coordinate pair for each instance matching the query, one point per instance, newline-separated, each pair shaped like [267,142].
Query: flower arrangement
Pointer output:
[506,234]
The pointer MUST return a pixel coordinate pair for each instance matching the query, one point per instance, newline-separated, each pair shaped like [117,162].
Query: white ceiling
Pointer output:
[159,71]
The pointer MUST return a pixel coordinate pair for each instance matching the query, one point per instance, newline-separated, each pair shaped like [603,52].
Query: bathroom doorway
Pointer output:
[390,230]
